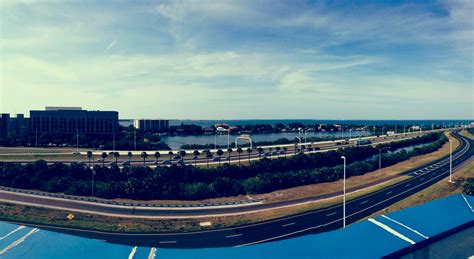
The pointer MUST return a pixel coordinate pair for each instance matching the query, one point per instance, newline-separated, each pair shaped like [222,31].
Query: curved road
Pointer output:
[301,224]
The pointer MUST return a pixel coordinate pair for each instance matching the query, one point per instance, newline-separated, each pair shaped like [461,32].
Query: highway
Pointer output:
[203,162]
[311,222]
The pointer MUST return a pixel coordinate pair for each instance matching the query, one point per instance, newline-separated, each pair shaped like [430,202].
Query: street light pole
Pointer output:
[135,139]
[380,158]
[344,195]
[450,160]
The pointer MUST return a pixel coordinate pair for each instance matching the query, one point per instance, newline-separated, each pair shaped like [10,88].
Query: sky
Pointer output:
[240,59]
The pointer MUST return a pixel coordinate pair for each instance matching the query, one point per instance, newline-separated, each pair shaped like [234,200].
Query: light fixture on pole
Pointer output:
[344,195]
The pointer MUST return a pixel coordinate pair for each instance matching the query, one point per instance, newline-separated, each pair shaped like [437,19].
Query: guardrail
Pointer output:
[131,204]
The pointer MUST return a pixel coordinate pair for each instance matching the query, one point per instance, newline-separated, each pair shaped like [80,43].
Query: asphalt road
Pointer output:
[311,222]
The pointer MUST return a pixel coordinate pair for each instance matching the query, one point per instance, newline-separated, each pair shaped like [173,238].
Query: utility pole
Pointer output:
[344,195]
[135,139]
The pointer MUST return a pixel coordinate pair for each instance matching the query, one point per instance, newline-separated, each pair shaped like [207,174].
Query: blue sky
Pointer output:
[240,59]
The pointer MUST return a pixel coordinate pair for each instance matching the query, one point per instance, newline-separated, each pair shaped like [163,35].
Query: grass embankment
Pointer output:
[439,190]
[82,220]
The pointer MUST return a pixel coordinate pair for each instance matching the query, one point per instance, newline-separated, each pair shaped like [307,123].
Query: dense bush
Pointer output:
[188,182]
[468,187]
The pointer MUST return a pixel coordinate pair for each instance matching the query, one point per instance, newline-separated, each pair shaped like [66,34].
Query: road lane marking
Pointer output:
[12,232]
[132,253]
[330,214]
[19,241]
[388,192]
[405,226]
[364,202]
[407,185]
[167,242]
[422,178]
[467,202]
[236,235]
[391,231]
[289,224]
[152,253]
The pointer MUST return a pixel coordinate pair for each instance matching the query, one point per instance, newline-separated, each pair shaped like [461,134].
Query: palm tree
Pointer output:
[89,156]
[157,155]
[260,151]
[249,151]
[116,156]
[170,154]
[182,154]
[196,155]
[208,156]
[285,149]
[219,153]
[104,156]
[229,152]
[144,155]
[129,154]
[278,151]
[239,151]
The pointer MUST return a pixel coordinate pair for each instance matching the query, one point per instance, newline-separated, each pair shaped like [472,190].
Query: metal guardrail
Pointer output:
[131,204]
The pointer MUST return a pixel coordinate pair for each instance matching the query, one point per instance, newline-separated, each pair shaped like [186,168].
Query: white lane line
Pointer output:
[237,235]
[467,202]
[330,214]
[167,242]
[289,224]
[19,241]
[389,192]
[407,185]
[405,226]
[13,231]
[152,253]
[364,202]
[422,178]
[391,231]
[132,253]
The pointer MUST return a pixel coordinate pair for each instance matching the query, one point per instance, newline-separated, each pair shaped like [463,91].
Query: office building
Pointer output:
[4,125]
[156,125]
[72,120]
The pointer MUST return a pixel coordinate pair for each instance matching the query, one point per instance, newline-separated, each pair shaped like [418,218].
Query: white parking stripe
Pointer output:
[13,231]
[364,202]
[405,226]
[19,241]
[152,253]
[289,224]
[237,235]
[469,205]
[392,231]
[132,253]
[330,214]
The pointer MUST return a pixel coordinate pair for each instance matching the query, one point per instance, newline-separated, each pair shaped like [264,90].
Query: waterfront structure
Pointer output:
[152,125]
[72,120]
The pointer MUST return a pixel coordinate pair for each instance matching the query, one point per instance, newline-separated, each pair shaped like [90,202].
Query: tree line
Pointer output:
[192,183]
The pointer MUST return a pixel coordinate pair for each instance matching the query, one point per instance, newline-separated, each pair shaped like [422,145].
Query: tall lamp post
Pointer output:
[344,195]
[380,158]
[450,160]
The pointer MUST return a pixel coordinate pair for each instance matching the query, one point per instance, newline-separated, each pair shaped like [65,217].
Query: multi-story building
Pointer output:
[156,125]
[19,125]
[4,124]
[71,120]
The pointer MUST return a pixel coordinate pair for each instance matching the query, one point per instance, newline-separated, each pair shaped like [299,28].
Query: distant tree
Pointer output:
[249,152]
[219,154]
[285,149]
[89,156]
[144,155]
[157,156]
[239,151]
[170,154]
[229,153]
[208,156]
[260,151]
[103,156]
[182,154]
[196,156]
[116,156]
[129,154]
[278,151]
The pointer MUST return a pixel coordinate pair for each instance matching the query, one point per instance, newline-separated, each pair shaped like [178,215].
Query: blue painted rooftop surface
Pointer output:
[365,239]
